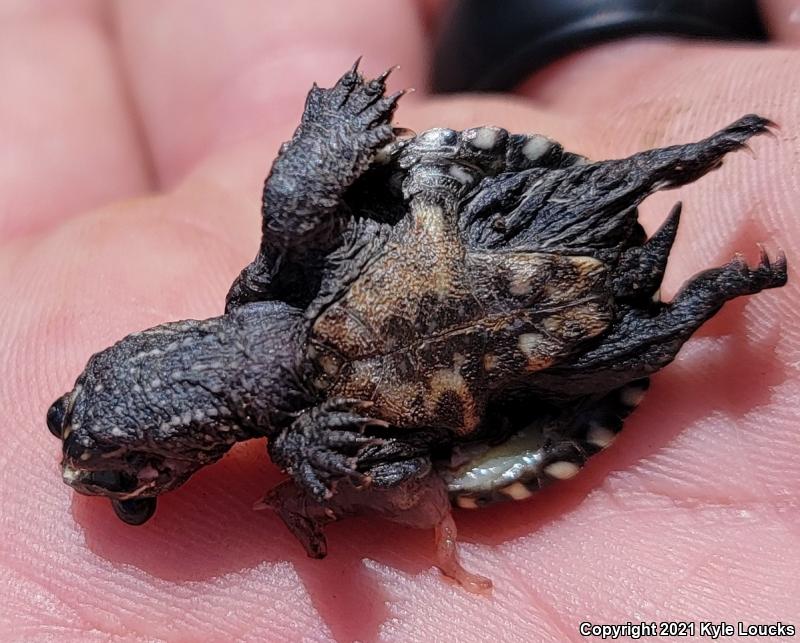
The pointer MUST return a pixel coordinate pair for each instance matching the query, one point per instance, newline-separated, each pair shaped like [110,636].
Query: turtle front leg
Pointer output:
[324,445]
[341,130]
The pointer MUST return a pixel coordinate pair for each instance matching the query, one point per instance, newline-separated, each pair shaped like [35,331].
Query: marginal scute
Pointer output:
[517,491]
[466,502]
[562,470]
[600,436]
[536,147]
[461,175]
[484,138]
[438,136]
[632,396]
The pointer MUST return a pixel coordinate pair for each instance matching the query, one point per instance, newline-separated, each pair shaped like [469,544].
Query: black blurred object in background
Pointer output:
[493,46]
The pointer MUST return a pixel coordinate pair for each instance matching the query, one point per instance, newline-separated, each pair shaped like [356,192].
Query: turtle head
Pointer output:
[105,454]
[151,410]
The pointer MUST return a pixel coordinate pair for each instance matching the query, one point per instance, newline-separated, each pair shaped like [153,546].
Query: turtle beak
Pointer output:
[72,476]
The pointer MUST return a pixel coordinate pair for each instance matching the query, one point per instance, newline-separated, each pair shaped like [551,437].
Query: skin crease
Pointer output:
[134,147]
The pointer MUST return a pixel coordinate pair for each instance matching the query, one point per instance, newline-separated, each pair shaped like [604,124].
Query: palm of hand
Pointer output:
[692,514]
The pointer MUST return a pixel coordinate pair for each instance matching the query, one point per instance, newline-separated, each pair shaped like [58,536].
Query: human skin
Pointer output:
[135,138]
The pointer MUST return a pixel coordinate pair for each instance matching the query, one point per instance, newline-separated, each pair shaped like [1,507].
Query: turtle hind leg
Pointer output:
[591,209]
[554,446]
[642,342]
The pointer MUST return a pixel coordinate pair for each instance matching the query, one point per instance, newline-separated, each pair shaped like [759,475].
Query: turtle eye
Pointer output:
[55,417]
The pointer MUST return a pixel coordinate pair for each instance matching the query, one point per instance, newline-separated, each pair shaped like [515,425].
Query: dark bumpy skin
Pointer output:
[304,208]
[480,296]
[151,410]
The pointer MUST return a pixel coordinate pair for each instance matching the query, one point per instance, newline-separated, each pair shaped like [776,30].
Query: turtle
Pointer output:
[434,318]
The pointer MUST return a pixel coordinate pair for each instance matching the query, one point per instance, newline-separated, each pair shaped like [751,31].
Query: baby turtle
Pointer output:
[410,293]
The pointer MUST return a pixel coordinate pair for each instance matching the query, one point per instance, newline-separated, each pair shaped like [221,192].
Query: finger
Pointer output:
[711,458]
[540,572]
[643,94]
[180,576]
[76,290]
[783,20]
[68,138]
[265,56]
[432,12]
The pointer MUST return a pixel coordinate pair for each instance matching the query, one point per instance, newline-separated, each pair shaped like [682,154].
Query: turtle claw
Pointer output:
[324,444]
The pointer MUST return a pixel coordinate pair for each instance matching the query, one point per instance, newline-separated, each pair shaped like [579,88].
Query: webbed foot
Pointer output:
[323,445]
[341,131]
[642,342]
[355,115]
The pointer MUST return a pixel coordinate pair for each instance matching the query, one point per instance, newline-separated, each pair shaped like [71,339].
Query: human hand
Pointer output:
[136,138]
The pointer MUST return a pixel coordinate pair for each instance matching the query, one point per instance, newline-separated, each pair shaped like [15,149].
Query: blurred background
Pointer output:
[486,46]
